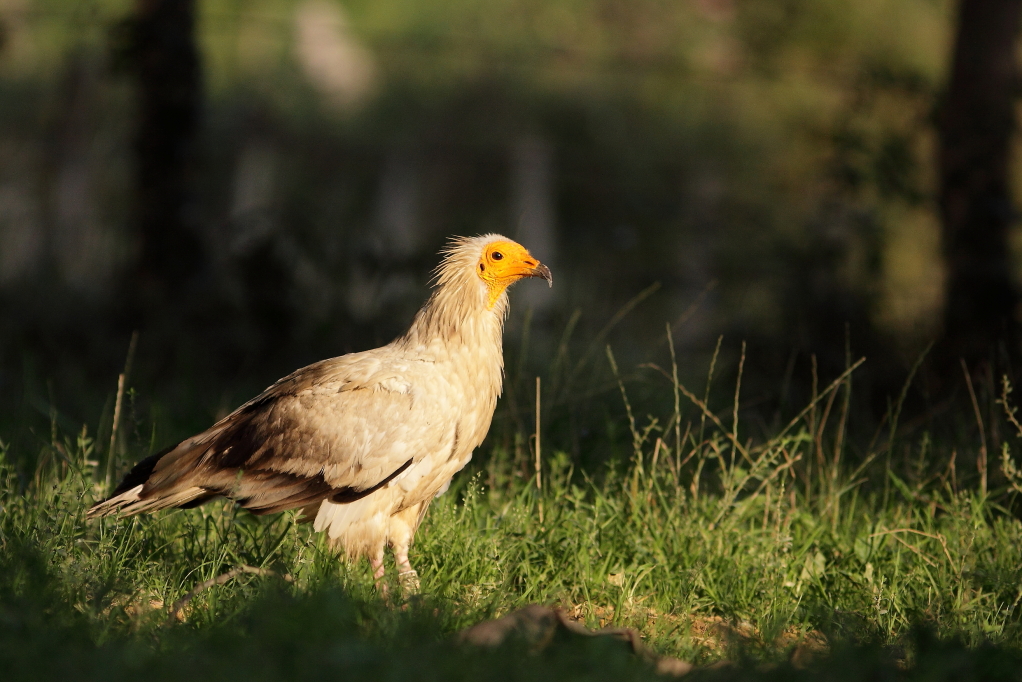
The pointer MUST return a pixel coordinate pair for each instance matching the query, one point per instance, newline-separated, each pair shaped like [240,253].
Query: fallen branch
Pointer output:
[177,610]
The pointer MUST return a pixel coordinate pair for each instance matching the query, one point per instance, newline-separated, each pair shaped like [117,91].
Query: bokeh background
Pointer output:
[254,185]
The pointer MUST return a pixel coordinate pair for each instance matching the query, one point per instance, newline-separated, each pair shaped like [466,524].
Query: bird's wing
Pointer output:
[337,429]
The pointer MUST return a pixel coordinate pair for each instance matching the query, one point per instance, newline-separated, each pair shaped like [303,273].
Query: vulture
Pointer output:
[361,443]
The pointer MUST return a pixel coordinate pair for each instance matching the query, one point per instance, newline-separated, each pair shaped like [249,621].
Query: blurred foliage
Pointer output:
[767,163]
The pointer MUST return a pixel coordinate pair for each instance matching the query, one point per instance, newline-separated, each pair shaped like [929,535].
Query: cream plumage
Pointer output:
[362,442]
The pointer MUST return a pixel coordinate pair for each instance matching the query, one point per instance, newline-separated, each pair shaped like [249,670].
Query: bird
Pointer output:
[361,443]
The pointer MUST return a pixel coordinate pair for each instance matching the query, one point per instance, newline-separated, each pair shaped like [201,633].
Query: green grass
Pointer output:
[712,545]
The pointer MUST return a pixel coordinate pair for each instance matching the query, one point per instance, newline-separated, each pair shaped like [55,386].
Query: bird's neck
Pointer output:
[457,320]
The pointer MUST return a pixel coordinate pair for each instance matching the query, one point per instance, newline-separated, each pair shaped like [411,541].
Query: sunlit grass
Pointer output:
[711,544]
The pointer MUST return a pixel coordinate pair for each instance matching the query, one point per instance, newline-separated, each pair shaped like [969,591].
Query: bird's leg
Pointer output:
[379,570]
[402,529]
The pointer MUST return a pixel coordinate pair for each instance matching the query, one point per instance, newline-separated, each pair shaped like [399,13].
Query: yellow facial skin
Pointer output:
[504,263]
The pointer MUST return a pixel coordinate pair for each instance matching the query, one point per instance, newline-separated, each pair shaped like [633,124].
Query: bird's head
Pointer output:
[487,264]
[503,262]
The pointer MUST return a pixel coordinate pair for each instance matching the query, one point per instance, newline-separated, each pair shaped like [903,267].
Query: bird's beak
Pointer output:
[527,266]
[542,271]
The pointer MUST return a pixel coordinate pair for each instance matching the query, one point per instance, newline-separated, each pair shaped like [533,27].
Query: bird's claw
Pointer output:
[409,581]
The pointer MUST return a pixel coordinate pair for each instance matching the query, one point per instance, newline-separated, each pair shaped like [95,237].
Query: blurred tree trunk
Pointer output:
[165,62]
[976,124]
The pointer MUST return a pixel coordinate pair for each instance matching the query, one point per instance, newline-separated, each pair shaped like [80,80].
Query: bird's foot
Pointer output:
[406,575]
[409,580]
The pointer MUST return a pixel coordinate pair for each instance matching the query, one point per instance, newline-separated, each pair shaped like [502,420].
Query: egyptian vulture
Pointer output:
[361,443]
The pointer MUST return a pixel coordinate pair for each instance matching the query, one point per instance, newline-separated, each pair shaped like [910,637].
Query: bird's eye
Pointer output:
[497,255]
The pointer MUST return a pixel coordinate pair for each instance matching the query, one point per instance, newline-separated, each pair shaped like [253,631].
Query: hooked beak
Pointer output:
[542,271]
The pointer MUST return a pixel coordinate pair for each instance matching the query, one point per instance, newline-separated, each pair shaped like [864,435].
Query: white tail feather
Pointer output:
[353,526]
